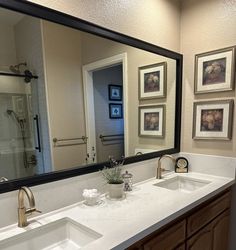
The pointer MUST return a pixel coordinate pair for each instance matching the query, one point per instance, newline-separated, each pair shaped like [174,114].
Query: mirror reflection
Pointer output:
[70,98]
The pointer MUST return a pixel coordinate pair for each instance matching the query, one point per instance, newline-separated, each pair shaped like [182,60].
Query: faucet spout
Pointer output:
[22,211]
[159,168]
[26,191]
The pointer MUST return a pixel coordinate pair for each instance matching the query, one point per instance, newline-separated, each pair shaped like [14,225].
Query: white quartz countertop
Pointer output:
[144,210]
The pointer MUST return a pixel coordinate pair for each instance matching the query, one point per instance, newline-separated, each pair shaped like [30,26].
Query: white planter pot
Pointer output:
[116,191]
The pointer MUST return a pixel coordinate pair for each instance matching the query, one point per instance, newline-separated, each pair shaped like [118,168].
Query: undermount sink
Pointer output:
[182,184]
[61,234]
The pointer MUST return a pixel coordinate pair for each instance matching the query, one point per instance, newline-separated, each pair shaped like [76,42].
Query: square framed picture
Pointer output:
[215,71]
[152,121]
[115,111]
[115,92]
[152,81]
[213,119]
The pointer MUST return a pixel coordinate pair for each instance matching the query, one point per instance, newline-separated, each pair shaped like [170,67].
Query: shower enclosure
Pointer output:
[20,145]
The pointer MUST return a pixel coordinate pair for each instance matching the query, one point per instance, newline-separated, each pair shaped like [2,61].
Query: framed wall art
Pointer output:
[152,121]
[213,119]
[215,71]
[115,111]
[115,92]
[152,81]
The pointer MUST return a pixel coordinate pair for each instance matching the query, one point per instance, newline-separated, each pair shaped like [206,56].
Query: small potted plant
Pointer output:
[113,177]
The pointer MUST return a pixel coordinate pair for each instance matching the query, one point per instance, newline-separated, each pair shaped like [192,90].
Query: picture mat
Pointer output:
[225,121]
[151,132]
[217,86]
[161,82]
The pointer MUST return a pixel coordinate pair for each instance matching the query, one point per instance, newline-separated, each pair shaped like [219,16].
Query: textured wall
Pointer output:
[205,26]
[213,28]
[155,21]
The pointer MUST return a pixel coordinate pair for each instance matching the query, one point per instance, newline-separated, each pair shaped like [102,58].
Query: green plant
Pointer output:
[113,175]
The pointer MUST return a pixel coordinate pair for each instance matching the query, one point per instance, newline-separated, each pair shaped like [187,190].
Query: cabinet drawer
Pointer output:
[207,213]
[169,239]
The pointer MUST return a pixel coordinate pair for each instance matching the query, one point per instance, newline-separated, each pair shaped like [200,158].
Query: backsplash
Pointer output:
[54,195]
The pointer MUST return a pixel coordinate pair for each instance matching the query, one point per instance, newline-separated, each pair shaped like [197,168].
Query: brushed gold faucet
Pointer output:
[23,212]
[159,168]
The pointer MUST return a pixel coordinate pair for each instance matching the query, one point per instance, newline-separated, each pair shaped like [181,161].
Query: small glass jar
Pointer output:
[127,177]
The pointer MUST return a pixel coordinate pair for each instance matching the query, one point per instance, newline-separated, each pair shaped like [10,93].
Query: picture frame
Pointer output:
[152,121]
[152,81]
[215,71]
[115,92]
[213,120]
[115,111]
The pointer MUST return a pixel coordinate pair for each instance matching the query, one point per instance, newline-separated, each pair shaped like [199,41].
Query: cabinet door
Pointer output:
[182,247]
[212,237]
[202,240]
[207,213]
[168,240]
[220,230]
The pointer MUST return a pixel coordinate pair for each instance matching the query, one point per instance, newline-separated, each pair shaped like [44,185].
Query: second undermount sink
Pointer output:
[61,234]
[182,184]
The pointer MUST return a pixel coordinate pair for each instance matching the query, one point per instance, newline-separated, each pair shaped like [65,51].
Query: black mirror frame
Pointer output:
[73,22]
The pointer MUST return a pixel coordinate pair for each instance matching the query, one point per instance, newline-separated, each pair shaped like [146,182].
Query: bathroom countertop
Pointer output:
[143,211]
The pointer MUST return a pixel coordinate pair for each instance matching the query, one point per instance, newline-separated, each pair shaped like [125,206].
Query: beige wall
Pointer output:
[65,94]
[62,47]
[7,46]
[205,26]
[155,21]
[161,14]
[7,58]
[93,50]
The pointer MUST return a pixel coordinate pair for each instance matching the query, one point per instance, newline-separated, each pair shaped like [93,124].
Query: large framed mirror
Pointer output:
[73,94]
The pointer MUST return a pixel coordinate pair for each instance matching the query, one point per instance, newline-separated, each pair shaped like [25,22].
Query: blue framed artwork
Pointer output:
[115,92]
[115,111]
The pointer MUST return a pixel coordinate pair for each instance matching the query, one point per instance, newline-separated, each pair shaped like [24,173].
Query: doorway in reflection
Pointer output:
[108,109]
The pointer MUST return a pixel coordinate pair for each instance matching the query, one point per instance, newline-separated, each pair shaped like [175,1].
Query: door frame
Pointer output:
[89,101]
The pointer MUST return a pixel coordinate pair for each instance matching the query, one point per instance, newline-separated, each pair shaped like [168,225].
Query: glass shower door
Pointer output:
[20,154]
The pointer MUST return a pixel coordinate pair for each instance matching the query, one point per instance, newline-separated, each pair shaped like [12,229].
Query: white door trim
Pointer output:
[89,101]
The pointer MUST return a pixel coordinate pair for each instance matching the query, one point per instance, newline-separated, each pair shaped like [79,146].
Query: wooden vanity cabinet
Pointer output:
[169,239]
[206,227]
[213,236]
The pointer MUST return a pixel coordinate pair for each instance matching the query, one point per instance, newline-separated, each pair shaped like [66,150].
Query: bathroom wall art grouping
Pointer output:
[214,72]
[115,94]
[152,85]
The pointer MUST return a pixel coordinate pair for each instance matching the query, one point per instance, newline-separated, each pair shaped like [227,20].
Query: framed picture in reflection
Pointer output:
[213,119]
[115,92]
[115,111]
[152,121]
[152,81]
[215,71]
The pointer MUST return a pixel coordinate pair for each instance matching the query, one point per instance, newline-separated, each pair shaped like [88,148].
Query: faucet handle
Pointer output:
[32,210]
[165,170]
[38,211]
